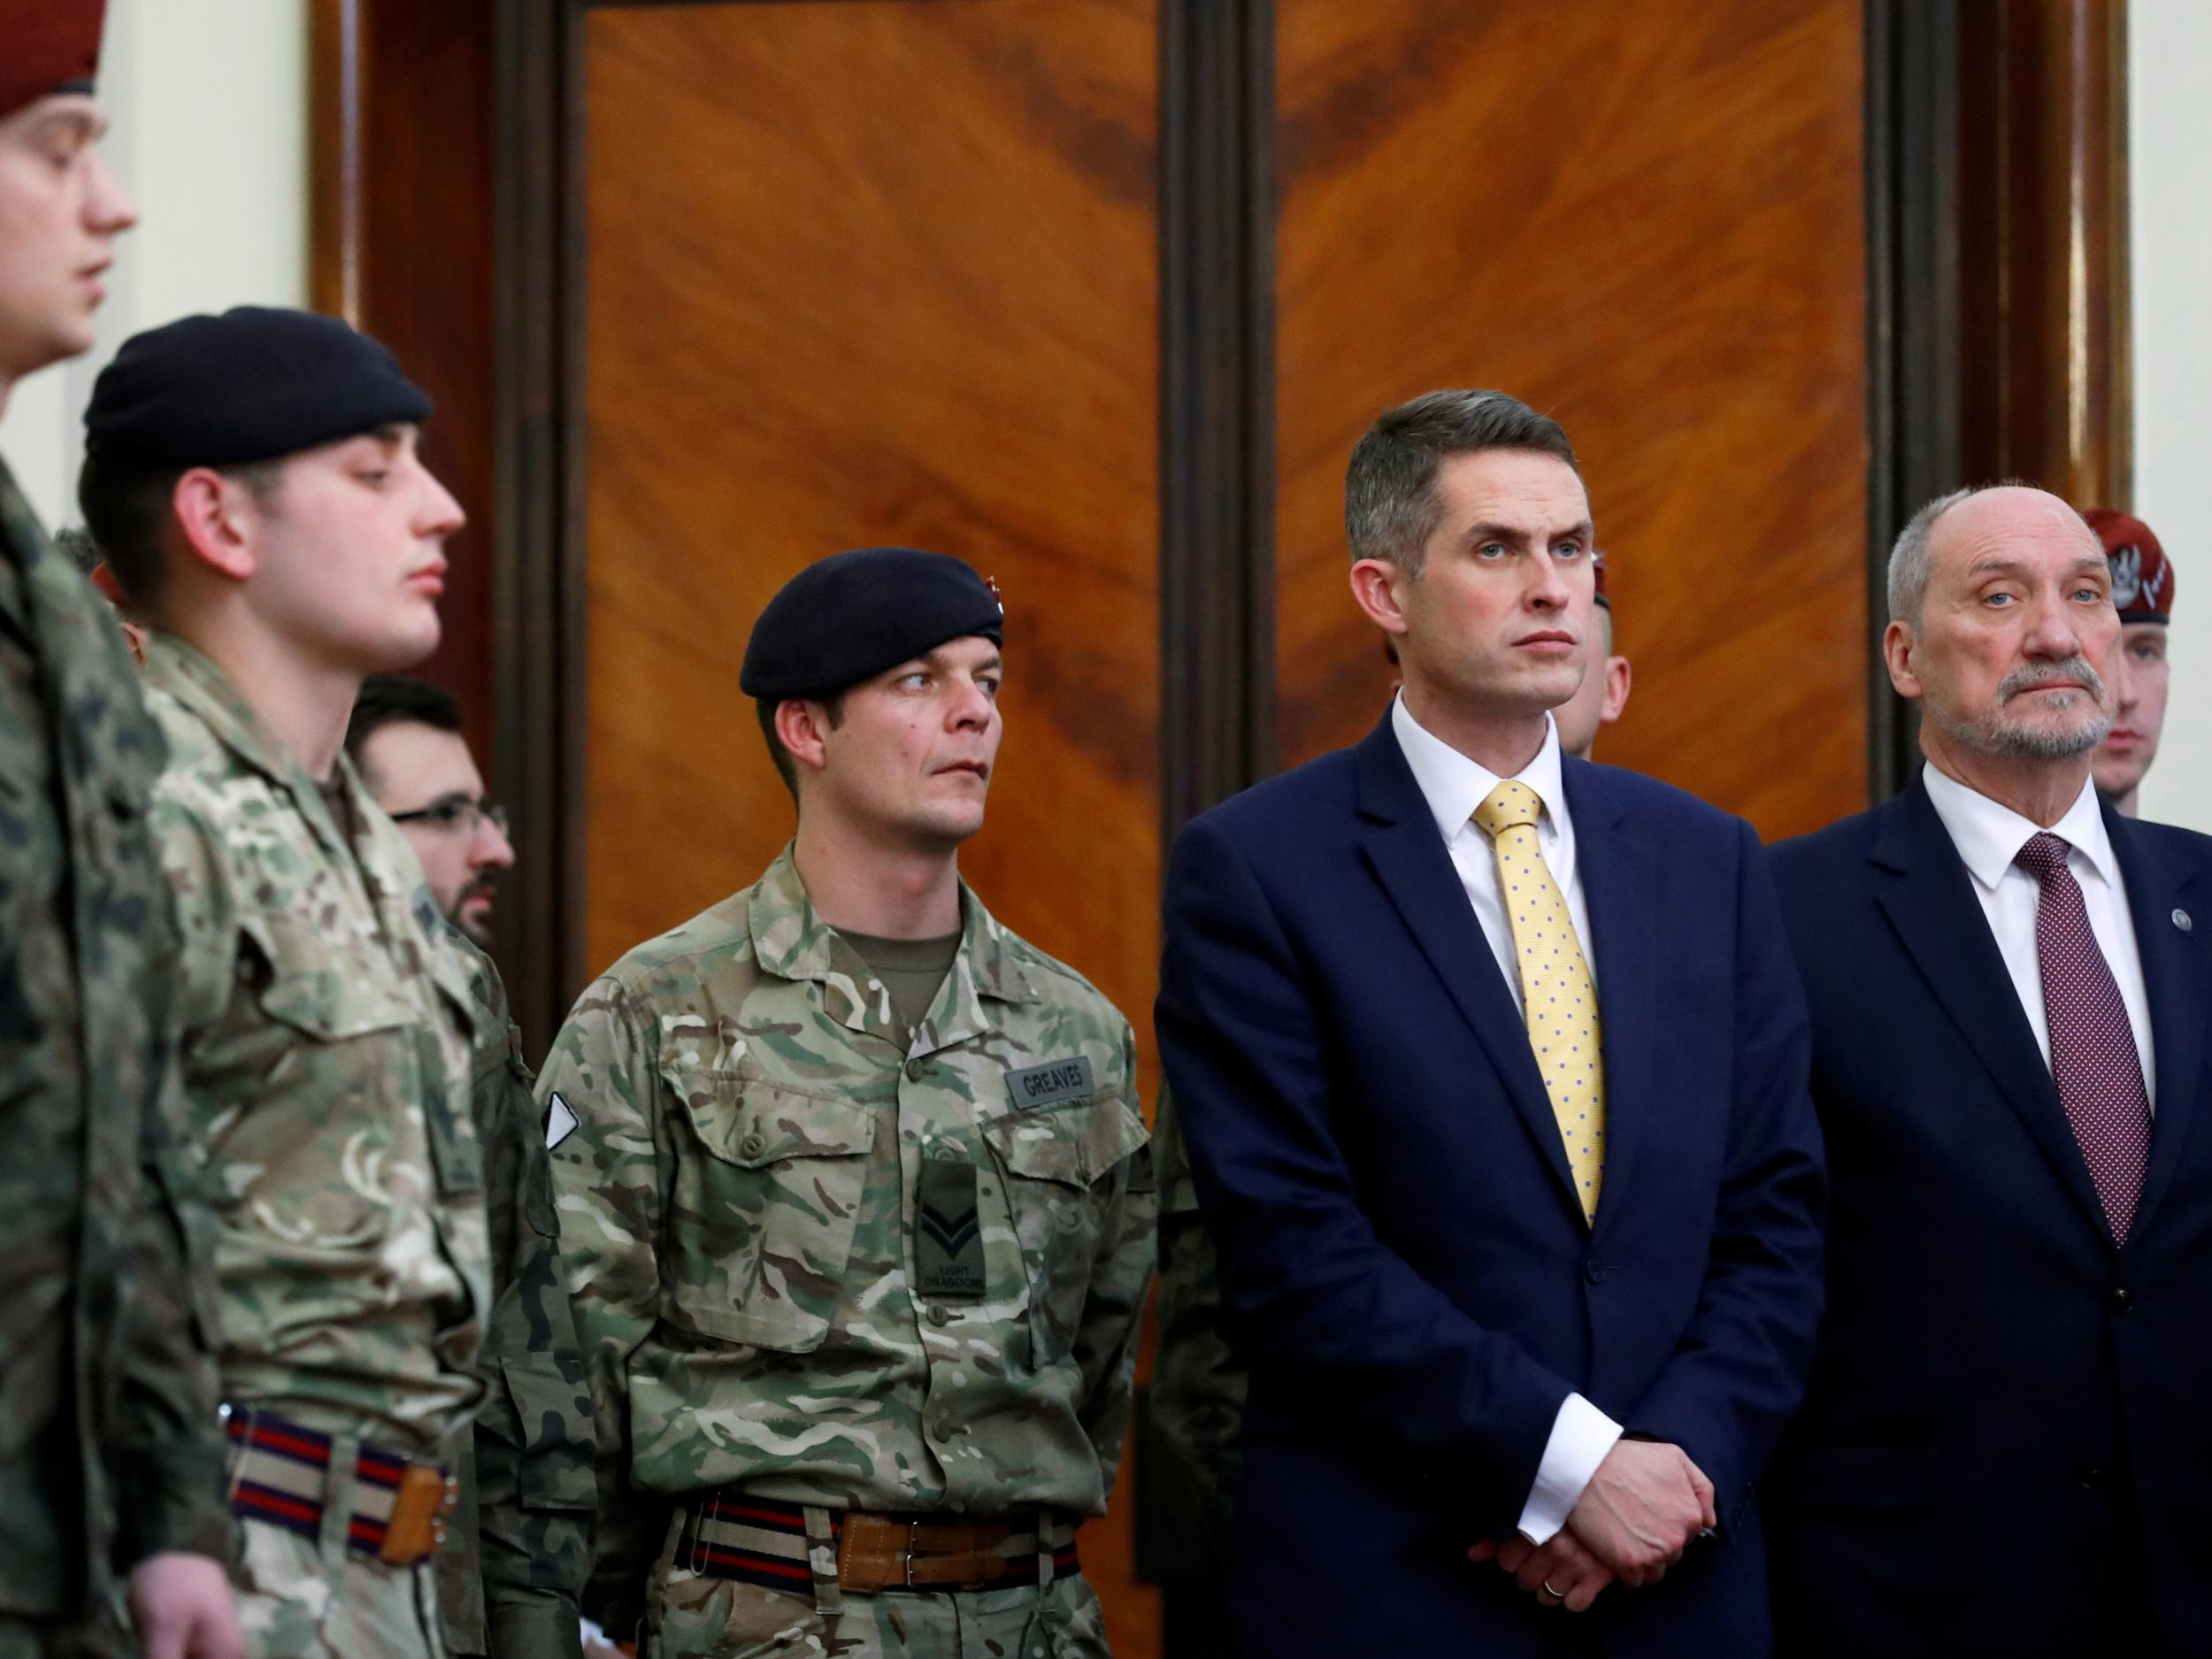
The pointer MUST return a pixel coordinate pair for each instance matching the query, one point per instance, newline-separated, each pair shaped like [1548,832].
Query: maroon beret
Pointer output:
[50,46]
[2142,580]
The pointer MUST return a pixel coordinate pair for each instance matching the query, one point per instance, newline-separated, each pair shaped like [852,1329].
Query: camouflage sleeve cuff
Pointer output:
[170,1498]
[533,1626]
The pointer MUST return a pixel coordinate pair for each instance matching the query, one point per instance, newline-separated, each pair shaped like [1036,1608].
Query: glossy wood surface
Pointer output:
[863,274]
[1648,222]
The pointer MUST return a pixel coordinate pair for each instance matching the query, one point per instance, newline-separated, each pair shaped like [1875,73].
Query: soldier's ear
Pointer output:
[211,514]
[803,726]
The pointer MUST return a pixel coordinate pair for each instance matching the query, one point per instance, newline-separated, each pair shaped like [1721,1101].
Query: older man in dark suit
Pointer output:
[2006,1446]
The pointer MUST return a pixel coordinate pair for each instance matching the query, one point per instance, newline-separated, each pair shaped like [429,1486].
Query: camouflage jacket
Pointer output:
[520,1545]
[739,1211]
[109,1443]
[328,1043]
[1194,1406]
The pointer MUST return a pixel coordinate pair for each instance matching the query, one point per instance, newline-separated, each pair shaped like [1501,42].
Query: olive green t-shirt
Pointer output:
[910,968]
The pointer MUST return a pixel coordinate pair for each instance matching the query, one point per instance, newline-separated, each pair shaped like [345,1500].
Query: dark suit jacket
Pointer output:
[1400,1245]
[2000,1394]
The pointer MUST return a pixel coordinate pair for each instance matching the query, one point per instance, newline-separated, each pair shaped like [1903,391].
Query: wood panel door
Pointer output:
[1648,222]
[860,273]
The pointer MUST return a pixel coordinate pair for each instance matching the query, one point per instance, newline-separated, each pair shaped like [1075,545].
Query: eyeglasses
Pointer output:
[457,812]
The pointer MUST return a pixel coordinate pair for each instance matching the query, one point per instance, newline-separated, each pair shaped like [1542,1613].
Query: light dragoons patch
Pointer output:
[948,1244]
[560,1121]
[1054,1080]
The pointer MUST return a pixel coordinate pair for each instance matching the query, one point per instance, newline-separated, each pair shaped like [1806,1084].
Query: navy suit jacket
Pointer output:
[2002,1399]
[1410,1272]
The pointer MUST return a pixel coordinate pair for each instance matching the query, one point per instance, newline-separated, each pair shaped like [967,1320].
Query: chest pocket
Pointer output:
[766,1196]
[1059,1161]
[319,1058]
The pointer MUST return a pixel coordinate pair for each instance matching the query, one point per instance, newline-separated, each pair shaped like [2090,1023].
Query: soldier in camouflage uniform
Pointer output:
[855,1197]
[518,1547]
[110,1457]
[253,482]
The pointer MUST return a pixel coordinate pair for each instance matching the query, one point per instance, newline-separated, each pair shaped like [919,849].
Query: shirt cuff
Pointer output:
[1581,1435]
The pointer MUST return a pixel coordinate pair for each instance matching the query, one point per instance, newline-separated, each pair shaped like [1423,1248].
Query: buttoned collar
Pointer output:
[1989,835]
[1455,785]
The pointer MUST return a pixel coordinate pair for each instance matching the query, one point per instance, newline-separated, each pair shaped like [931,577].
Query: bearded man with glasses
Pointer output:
[406,737]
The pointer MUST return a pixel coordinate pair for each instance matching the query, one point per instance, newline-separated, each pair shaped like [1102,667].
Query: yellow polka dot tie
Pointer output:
[1558,998]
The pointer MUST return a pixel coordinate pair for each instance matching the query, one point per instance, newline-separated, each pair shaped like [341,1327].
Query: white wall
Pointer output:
[207,106]
[2169,137]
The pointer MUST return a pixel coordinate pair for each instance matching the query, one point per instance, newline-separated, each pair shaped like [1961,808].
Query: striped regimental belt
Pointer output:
[281,1474]
[728,1534]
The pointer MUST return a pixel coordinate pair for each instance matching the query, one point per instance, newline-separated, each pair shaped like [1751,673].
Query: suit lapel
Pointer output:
[1619,868]
[2174,976]
[1409,857]
[1929,898]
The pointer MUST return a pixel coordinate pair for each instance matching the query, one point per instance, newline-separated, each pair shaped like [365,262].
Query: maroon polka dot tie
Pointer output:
[2093,1047]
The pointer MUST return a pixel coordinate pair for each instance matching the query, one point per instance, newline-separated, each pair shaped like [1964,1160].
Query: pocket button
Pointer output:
[751,1147]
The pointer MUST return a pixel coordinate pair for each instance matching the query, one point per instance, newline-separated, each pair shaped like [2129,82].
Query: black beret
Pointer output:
[252,385]
[847,618]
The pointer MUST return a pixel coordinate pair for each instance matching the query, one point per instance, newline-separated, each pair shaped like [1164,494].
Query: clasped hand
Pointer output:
[1635,1519]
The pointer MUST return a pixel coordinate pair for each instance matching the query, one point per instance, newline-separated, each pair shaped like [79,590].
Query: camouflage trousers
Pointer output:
[695,1615]
[298,1600]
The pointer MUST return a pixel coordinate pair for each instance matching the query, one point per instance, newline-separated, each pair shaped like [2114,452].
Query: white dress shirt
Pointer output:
[1989,837]
[1454,787]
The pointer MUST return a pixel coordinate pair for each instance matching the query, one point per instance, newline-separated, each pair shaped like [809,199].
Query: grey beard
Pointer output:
[1995,737]
[1994,734]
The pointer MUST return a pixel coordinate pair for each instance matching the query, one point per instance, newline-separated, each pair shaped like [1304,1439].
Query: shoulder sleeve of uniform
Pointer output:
[600,1094]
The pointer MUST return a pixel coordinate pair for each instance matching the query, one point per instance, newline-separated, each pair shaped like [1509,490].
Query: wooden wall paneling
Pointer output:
[401,245]
[1649,223]
[859,273]
[2042,118]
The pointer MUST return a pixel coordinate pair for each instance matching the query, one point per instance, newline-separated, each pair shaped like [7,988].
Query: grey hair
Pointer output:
[1390,503]
[1909,564]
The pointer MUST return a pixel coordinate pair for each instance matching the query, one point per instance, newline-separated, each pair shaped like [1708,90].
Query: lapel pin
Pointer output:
[2182,921]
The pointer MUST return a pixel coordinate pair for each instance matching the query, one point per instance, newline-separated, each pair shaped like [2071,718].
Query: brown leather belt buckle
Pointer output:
[874,1553]
[946,1566]
[420,1508]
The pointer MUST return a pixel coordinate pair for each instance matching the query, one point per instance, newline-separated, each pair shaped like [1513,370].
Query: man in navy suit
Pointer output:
[2006,1443]
[1492,1067]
